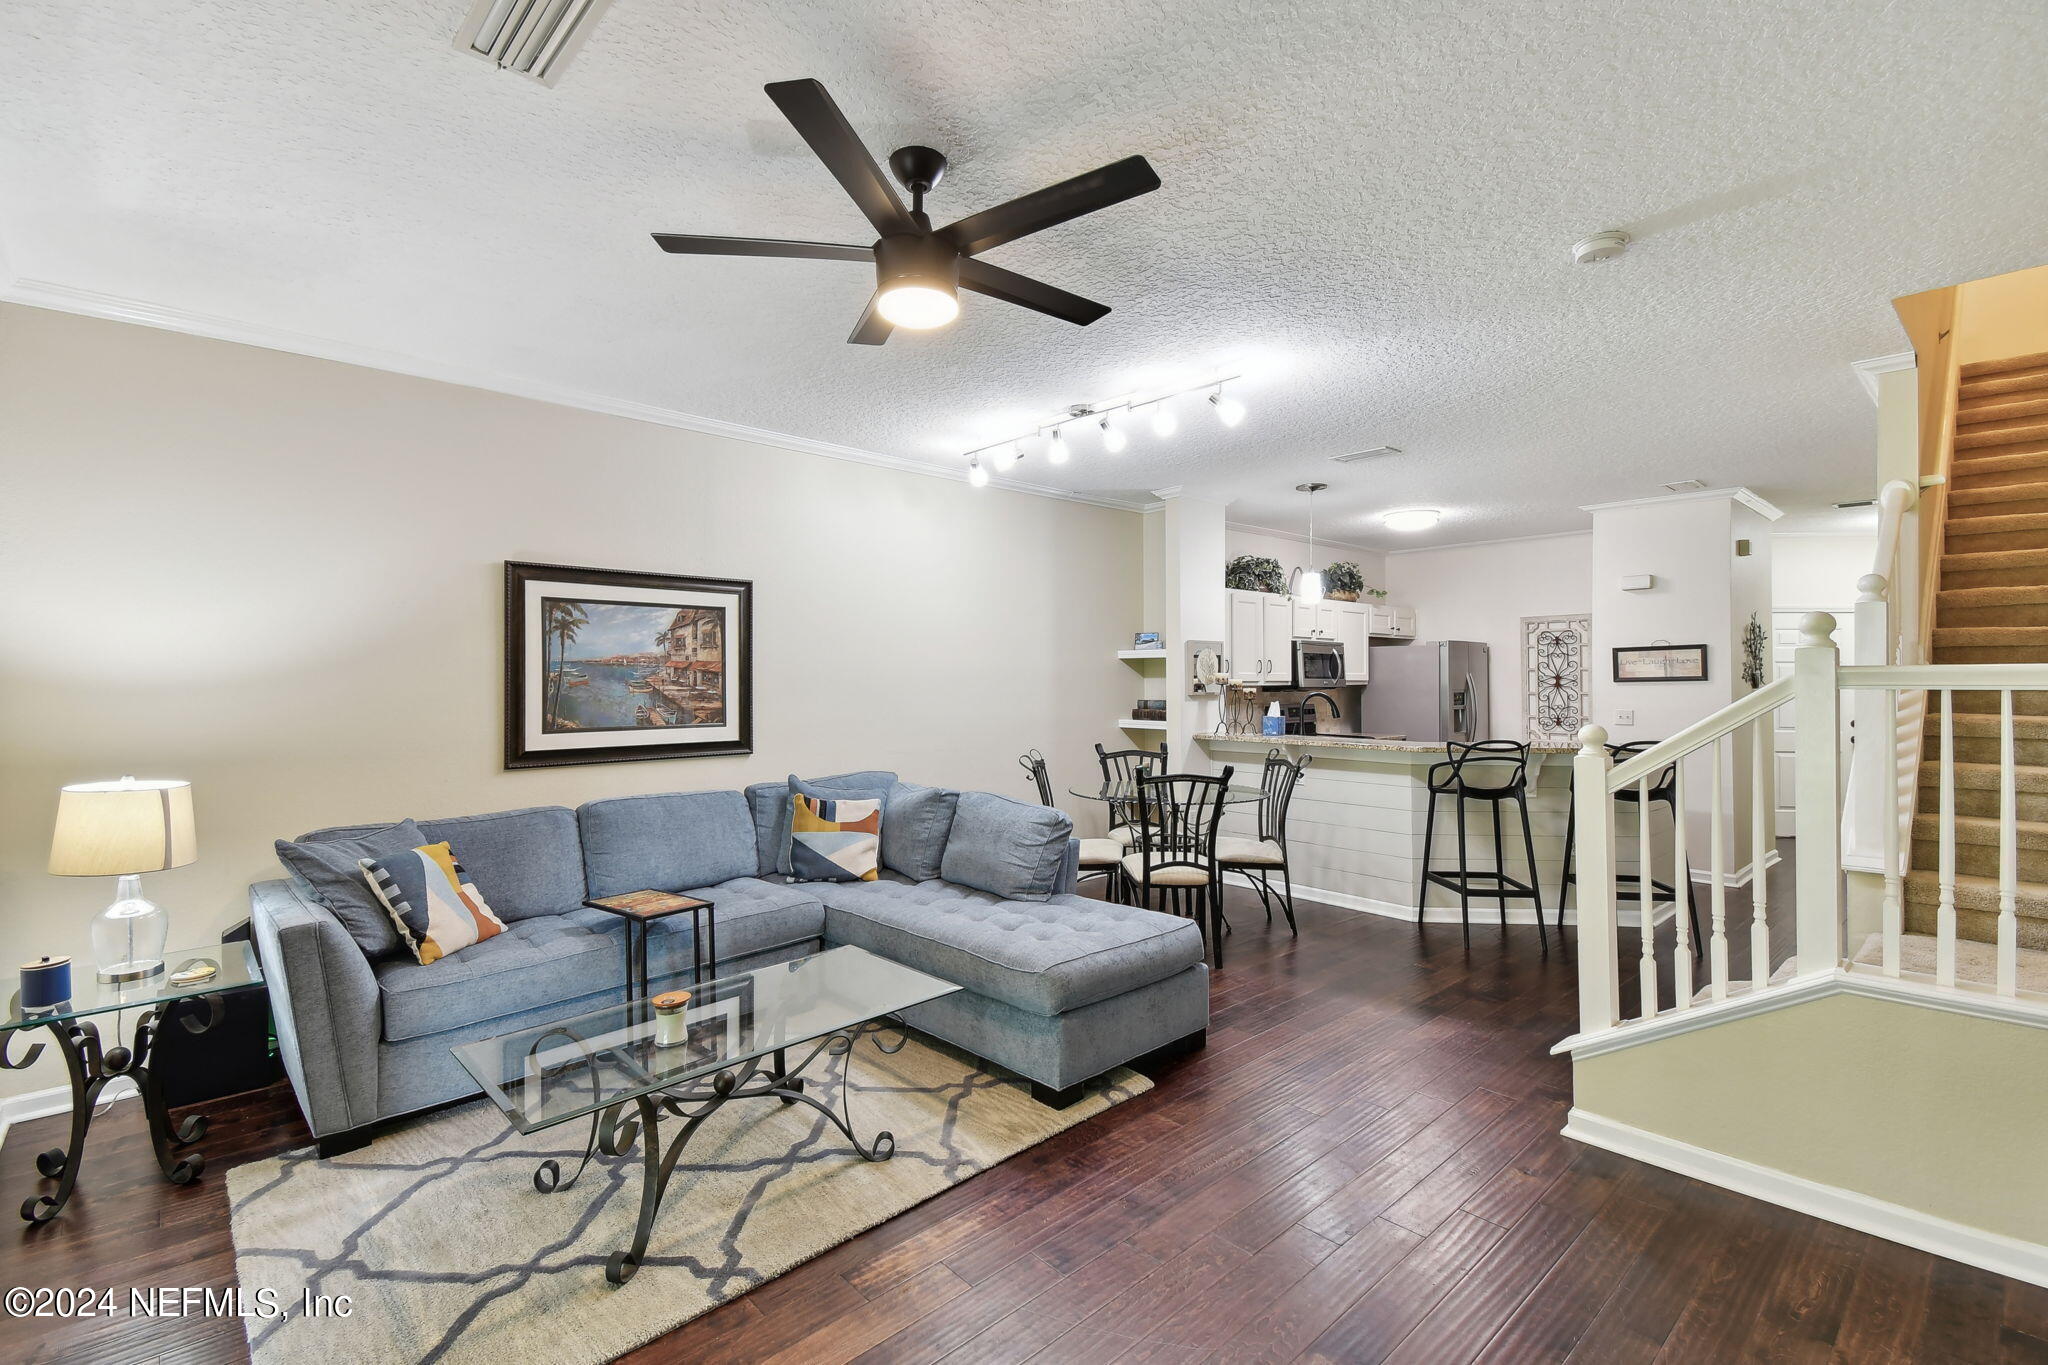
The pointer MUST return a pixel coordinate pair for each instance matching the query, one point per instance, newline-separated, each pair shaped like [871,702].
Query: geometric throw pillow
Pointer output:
[431,900]
[834,840]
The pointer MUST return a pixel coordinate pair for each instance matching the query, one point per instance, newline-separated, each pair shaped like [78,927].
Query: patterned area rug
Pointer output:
[448,1253]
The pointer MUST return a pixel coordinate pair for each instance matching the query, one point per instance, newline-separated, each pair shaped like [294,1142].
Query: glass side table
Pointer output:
[195,1004]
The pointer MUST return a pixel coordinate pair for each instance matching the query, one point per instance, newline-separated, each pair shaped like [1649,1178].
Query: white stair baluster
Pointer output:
[1945,911]
[1761,821]
[1599,945]
[1894,925]
[1646,901]
[2008,854]
[1717,883]
[1681,958]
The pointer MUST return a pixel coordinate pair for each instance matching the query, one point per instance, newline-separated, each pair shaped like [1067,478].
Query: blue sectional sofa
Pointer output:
[1058,988]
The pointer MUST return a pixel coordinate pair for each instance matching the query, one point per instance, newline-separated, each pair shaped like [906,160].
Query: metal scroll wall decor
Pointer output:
[1554,651]
[1753,641]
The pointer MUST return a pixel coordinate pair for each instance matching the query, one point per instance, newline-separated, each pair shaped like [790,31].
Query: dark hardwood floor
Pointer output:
[1364,1165]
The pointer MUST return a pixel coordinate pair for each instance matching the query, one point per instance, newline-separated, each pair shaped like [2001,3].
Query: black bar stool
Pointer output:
[1473,772]
[1628,885]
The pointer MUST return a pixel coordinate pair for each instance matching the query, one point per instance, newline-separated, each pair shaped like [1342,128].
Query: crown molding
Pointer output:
[1769,511]
[1300,539]
[64,298]
[1867,371]
[1498,540]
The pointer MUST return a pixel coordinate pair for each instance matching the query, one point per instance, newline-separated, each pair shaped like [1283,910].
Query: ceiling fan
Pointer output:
[918,269]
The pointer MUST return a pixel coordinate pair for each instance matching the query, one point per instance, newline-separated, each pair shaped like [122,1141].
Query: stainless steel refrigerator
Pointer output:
[1432,690]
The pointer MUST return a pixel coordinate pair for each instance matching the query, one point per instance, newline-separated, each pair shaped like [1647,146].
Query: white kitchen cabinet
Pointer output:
[1392,621]
[1353,635]
[1259,637]
[1315,620]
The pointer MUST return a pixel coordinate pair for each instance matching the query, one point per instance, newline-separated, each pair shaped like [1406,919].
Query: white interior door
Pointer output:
[1785,639]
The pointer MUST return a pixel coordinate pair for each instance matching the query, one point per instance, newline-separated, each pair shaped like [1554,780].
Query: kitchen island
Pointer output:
[1355,830]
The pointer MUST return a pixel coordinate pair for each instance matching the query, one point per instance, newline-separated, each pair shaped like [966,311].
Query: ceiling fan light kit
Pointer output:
[919,269]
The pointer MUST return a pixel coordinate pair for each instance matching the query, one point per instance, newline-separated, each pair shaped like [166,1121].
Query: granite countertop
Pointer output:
[1387,746]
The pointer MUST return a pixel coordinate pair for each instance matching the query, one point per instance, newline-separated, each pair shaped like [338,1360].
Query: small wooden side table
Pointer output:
[641,908]
[196,1005]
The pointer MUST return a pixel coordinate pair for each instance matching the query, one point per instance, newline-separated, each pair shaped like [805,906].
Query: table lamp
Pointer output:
[123,829]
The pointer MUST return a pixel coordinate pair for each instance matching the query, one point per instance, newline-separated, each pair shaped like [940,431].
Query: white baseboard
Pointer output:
[1483,909]
[1990,1251]
[40,1104]
[1741,876]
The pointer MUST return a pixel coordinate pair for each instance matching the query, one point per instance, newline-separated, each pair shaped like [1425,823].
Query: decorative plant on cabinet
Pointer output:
[1343,582]
[1255,573]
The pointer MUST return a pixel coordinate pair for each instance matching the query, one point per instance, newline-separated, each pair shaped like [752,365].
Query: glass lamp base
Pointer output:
[128,936]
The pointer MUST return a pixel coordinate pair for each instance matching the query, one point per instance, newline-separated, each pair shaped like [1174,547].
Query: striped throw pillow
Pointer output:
[833,841]
[431,900]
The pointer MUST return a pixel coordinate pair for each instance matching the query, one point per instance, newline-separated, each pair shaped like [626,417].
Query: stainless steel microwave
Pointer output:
[1318,663]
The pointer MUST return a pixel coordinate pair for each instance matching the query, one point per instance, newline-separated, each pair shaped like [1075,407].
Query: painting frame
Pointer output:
[1660,663]
[536,736]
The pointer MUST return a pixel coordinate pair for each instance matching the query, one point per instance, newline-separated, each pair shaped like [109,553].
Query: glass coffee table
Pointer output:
[611,1067]
[185,990]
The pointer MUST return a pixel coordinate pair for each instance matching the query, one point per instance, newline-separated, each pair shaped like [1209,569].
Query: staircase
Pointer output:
[1992,608]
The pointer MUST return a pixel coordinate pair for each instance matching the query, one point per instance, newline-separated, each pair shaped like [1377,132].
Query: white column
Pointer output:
[1817,815]
[1599,944]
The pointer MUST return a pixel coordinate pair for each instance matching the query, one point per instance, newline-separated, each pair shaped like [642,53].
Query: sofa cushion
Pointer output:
[769,802]
[526,862]
[539,961]
[329,862]
[753,915]
[1011,849]
[834,839]
[1044,957]
[433,904]
[666,842]
[915,822]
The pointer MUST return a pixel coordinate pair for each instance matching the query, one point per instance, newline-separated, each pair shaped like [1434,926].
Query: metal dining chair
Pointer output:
[1257,859]
[1495,772]
[1628,886]
[1099,857]
[1178,816]
[1121,769]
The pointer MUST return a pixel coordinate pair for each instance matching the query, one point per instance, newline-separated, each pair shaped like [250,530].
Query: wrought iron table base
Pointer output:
[613,1131]
[92,1068]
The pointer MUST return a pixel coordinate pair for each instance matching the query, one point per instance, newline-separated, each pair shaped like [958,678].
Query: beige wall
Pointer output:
[1939,1112]
[281,578]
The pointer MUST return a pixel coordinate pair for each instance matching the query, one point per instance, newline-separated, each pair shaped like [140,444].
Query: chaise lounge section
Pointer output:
[1058,988]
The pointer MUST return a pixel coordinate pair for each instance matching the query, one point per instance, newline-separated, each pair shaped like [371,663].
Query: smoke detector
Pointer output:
[1601,246]
[530,37]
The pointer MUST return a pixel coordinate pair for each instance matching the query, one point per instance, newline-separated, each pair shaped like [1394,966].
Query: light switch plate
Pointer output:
[1624,718]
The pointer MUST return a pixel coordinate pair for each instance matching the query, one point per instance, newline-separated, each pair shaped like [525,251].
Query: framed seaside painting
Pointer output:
[606,665]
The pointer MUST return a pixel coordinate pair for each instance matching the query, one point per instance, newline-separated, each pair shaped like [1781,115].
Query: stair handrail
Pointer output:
[1700,734]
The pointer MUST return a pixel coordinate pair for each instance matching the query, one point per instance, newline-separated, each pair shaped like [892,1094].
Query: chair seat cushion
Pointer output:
[1044,957]
[1134,867]
[1100,852]
[1257,852]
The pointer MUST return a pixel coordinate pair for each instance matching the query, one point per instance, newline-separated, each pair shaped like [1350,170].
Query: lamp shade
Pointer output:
[117,829]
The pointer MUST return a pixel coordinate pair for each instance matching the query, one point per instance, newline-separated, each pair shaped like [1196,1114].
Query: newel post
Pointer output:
[1869,803]
[1817,807]
[1599,944]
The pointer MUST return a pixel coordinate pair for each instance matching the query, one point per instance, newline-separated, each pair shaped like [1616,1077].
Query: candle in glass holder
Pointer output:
[671,1028]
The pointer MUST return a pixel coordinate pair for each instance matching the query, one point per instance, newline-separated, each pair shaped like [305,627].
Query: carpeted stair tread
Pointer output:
[2011,381]
[2030,899]
[1994,407]
[1997,525]
[1986,654]
[2001,595]
[1975,962]
[1982,830]
[1997,499]
[2018,465]
[1993,457]
[2005,431]
[1995,637]
[1981,369]
[1987,703]
[1984,777]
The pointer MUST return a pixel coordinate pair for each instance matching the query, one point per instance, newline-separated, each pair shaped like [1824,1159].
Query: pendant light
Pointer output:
[1309,587]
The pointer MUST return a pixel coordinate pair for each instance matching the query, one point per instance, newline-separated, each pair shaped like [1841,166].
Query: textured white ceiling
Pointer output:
[1367,209]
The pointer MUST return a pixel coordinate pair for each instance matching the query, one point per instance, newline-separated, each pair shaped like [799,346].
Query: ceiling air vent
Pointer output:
[1357,455]
[532,37]
[1687,485]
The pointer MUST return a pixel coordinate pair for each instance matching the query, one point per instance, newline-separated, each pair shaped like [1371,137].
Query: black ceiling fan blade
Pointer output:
[818,121]
[873,329]
[1026,292]
[684,244]
[1098,189]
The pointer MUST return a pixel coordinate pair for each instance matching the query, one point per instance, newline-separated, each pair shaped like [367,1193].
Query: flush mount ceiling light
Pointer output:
[1309,586]
[919,269]
[1411,519]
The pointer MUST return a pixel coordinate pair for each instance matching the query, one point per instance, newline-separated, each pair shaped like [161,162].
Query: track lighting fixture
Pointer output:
[1164,423]
[977,473]
[1113,438]
[1228,410]
[1000,457]
[1056,447]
